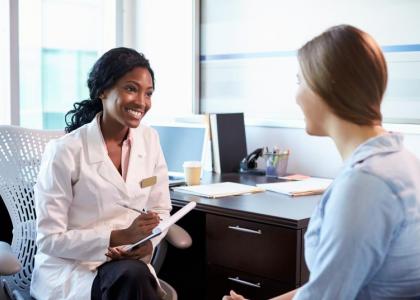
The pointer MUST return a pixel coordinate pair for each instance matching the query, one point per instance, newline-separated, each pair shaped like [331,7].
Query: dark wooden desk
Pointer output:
[250,243]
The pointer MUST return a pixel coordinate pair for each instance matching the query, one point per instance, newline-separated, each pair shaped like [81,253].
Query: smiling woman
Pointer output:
[121,75]
[130,99]
[83,176]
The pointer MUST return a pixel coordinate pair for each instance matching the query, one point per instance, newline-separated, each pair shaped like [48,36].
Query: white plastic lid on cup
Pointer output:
[191,164]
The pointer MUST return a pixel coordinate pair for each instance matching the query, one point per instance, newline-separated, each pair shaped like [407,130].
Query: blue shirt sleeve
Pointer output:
[360,218]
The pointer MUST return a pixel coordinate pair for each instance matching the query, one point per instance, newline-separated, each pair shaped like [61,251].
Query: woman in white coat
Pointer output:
[106,158]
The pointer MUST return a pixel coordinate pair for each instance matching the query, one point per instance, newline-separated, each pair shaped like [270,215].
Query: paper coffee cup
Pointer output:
[192,171]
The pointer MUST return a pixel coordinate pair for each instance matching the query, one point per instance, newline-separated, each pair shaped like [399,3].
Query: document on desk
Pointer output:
[310,186]
[163,225]
[218,190]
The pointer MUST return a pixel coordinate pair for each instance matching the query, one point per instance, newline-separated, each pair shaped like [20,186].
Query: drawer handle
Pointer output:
[245,229]
[236,279]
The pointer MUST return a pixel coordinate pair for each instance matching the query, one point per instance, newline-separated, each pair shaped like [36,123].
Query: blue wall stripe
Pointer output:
[271,54]
[401,48]
[248,55]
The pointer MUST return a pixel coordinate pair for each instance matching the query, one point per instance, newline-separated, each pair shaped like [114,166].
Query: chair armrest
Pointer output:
[178,237]
[9,264]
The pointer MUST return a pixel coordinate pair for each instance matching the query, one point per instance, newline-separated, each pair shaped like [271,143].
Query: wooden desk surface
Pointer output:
[268,207]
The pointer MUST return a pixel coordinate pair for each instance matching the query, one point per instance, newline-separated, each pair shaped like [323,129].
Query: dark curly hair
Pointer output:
[107,70]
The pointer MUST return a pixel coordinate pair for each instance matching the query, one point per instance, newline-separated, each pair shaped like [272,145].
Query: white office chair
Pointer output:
[20,157]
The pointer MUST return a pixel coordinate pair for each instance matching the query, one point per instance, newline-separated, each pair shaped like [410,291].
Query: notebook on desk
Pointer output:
[219,190]
[305,187]
[180,143]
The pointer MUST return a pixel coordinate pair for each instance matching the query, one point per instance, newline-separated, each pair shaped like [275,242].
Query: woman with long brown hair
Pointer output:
[363,238]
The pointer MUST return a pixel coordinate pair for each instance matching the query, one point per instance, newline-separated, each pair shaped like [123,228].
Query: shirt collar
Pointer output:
[129,139]
[96,141]
[386,143]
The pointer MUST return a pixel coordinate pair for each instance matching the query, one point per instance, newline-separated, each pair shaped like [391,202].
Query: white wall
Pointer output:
[315,156]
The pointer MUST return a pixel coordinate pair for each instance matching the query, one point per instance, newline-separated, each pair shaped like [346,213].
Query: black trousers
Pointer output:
[124,279]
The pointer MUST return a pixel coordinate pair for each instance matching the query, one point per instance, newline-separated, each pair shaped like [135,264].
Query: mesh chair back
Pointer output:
[20,157]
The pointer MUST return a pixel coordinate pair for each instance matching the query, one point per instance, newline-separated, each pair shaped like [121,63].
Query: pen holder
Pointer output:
[276,164]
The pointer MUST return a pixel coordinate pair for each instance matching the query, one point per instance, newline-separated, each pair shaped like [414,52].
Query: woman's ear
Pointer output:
[104,94]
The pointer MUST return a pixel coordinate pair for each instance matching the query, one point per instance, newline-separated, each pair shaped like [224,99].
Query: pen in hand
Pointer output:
[143,211]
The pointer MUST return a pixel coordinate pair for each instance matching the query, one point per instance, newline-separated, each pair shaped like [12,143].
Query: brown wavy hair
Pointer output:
[347,69]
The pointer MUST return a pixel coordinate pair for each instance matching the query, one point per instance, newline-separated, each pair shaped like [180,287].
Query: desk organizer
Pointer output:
[276,163]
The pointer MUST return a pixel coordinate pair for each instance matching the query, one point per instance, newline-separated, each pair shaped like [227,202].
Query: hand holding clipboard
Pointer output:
[163,226]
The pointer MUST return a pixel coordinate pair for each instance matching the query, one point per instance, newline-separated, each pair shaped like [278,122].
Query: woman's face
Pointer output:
[315,110]
[130,99]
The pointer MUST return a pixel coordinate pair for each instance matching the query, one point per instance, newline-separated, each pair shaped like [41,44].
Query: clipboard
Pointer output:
[162,227]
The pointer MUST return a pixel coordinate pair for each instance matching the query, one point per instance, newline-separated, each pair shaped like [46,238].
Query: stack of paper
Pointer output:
[310,186]
[217,190]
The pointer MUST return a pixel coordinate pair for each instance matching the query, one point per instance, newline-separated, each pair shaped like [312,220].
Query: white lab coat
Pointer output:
[75,200]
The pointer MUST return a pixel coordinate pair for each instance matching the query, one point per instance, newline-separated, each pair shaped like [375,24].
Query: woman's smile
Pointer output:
[135,113]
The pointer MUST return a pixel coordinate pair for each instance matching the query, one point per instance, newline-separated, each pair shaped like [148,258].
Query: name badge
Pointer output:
[148,182]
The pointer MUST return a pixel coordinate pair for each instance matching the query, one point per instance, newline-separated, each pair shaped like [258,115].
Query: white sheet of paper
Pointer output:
[310,186]
[217,190]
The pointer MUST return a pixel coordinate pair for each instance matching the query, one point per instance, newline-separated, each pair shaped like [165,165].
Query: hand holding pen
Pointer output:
[143,211]
[142,225]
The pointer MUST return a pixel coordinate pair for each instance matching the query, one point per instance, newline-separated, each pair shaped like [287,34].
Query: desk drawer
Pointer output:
[260,249]
[221,280]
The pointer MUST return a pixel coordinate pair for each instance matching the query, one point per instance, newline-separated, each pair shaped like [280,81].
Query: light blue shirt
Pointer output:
[363,240]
